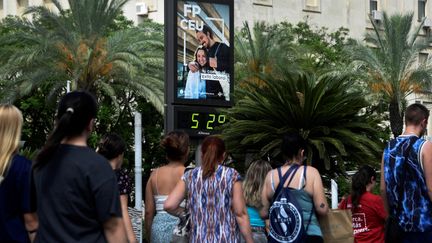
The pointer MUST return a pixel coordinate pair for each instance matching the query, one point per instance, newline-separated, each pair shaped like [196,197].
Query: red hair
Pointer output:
[213,149]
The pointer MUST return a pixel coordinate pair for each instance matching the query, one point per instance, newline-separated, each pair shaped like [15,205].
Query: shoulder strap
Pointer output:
[293,168]
[217,49]
[302,181]
[293,173]
[156,184]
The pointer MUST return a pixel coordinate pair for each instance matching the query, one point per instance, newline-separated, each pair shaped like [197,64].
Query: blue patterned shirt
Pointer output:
[210,205]
[415,211]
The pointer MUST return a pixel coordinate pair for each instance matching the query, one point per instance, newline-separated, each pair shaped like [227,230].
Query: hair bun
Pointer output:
[176,145]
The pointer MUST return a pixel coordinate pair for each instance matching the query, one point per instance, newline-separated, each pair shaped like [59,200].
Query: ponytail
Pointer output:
[54,140]
[213,149]
[74,113]
[359,182]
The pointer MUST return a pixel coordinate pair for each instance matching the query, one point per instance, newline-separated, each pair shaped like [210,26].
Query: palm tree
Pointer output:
[258,51]
[324,109]
[390,60]
[78,45]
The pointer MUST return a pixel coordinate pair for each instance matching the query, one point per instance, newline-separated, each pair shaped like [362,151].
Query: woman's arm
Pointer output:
[149,209]
[126,219]
[319,199]
[114,230]
[266,195]
[239,208]
[172,204]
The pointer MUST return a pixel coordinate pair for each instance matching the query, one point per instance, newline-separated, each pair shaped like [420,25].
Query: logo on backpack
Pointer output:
[285,213]
[285,221]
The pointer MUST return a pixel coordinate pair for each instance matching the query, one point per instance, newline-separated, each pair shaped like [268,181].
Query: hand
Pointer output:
[193,66]
[213,62]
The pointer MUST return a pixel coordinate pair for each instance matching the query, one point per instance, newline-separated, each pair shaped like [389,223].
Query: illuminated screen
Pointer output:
[198,121]
[204,54]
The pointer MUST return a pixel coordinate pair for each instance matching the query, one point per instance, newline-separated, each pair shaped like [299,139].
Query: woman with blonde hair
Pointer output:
[252,185]
[215,198]
[17,223]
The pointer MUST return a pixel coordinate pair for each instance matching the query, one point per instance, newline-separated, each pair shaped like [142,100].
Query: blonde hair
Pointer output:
[10,133]
[254,182]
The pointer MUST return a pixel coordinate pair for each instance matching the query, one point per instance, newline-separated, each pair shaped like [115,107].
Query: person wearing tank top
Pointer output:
[406,178]
[159,225]
[307,181]
[252,187]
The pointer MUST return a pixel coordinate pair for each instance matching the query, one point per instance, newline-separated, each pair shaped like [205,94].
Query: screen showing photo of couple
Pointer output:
[204,55]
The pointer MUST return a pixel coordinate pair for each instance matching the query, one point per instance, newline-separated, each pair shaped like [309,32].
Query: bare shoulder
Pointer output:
[270,174]
[268,178]
[312,171]
[150,179]
[153,173]
[427,147]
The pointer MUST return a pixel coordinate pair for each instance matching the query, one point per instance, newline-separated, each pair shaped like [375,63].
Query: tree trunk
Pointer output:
[396,118]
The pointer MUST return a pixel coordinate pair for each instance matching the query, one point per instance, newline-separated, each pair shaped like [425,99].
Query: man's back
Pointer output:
[406,190]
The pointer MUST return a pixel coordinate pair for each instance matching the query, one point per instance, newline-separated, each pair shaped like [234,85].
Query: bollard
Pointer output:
[334,194]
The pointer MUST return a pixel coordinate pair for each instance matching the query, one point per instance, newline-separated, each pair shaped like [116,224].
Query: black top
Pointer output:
[222,53]
[124,181]
[76,193]
[15,201]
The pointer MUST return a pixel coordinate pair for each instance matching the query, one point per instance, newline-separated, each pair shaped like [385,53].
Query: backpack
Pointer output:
[285,213]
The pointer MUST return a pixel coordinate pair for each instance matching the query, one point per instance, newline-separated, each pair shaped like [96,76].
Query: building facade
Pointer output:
[352,14]
[333,14]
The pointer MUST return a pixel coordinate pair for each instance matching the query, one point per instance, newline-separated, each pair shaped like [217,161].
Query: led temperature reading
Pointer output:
[199,122]
[208,119]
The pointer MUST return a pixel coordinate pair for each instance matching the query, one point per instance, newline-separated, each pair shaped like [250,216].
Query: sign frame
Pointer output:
[174,104]
[172,48]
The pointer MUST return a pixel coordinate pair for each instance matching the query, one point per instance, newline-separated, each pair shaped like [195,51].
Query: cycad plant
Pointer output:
[324,109]
[389,58]
[79,45]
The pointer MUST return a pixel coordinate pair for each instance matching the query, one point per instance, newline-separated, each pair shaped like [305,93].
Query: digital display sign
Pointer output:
[197,122]
[204,53]
[199,64]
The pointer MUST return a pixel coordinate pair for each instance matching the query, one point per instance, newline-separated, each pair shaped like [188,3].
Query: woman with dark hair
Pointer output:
[215,198]
[76,193]
[113,147]
[368,211]
[305,182]
[159,224]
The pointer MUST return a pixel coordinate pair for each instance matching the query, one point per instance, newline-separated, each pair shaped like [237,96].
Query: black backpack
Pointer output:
[285,213]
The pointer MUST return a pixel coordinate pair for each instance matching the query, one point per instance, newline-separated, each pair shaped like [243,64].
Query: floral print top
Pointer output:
[210,205]
[124,181]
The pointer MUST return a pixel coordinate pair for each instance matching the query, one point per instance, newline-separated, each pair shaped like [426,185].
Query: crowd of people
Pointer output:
[71,193]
